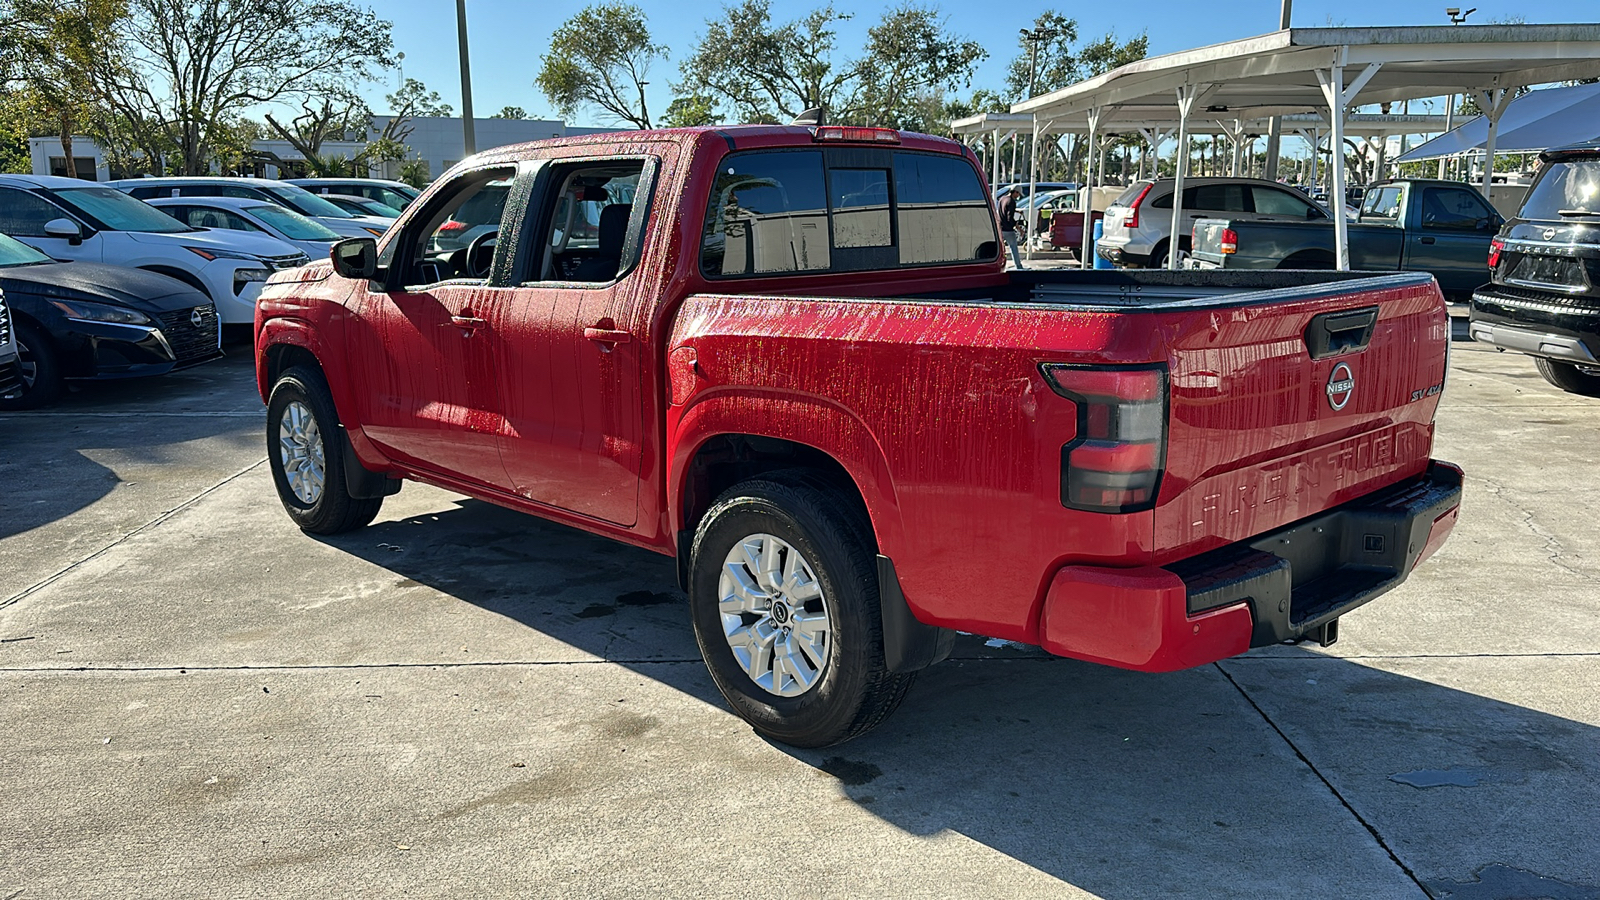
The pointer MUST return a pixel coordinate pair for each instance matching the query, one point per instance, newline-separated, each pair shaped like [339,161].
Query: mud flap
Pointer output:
[908,644]
[359,481]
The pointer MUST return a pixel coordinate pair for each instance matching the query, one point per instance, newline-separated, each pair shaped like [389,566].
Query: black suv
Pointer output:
[10,362]
[1544,299]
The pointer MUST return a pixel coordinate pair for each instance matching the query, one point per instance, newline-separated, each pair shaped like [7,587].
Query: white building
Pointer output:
[436,141]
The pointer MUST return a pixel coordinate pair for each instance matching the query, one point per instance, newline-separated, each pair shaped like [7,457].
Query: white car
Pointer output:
[396,194]
[1138,224]
[282,193]
[71,219]
[258,216]
[361,206]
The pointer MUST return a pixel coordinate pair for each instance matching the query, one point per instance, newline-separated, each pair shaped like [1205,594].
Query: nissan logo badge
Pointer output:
[1341,384]
[1549,233]
[196,319]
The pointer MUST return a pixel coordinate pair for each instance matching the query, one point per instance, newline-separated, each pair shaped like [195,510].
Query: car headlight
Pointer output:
[85,311]
[242,277]
[209,253]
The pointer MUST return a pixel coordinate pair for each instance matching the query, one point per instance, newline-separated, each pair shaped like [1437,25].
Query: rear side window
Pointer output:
[1452,208]
[150,193]
[1572,186]
[1273,202]
[772,212]
[1221,197]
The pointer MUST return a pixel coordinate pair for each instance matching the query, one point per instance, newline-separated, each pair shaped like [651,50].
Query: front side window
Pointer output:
[23,214]
[118,211]
[212,217]
[456,239]
[1452,208]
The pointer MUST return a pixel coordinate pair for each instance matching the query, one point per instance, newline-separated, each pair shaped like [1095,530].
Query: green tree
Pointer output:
[410,101]
[599,59]
[763,71]
[1045,64]
[339,116]
[194,65]
[510,112]
[689,112]
[55,46]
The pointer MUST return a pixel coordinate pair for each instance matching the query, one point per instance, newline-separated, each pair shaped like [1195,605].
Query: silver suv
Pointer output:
[1138,224]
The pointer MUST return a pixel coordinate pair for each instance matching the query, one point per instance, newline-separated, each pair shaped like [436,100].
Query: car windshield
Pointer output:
[15,253]
[291,224]
[119,212]
[306,203]
[1564,189]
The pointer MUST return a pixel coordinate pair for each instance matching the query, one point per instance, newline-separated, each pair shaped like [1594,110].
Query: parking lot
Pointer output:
[201,701]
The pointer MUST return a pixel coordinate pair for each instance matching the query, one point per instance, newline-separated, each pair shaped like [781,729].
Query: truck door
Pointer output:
[1451,239]
[421,343]
[571,339]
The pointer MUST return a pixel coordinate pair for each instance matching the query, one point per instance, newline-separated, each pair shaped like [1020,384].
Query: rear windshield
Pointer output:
[844,209]
[1131,194]
[1572,187]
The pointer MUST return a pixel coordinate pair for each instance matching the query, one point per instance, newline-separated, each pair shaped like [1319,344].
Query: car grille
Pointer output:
[188,340]
[5,322]
[10,378]
[279,263]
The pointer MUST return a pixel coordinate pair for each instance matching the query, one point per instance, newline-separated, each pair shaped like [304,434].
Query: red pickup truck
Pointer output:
[793,359]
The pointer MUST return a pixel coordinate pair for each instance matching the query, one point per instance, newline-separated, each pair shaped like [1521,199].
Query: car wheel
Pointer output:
[1569,377]
[40,368]
[304,452]
[784,596]
[1161,257]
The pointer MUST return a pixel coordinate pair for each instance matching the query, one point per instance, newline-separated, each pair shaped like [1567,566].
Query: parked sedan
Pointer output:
[282,193]
[239,214]
[396,194]
[361,206]
[78,320]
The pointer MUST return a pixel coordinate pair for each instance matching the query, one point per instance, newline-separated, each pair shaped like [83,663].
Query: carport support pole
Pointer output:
[1090,160]
[1493,103]
[1333,87]
[1186,95]
[994,161]
[1033,187]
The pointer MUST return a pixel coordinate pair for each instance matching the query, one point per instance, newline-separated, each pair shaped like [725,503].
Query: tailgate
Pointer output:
[1280,410]
[1206,242]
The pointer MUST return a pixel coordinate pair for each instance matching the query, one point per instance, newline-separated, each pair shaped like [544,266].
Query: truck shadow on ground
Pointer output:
[1124,784]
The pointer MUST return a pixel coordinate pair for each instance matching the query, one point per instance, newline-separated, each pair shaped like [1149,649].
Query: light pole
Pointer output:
[469,140]
[1456,18]
[1032,38]
[1275,124]
[644,113]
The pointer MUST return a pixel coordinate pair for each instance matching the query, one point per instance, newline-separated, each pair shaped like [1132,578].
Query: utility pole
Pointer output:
[469,139]
[1275,124]
[643,112]
[1032,38]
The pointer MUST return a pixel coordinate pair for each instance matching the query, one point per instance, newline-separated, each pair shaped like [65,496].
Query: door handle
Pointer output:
[1426,240]
[468,323]
[607,335]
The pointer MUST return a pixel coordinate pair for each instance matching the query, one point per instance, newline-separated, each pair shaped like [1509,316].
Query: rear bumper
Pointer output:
[1288,585]
[1559,327]
[1121,255]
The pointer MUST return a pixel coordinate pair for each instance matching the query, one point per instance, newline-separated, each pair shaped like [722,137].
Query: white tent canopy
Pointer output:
[1535,121]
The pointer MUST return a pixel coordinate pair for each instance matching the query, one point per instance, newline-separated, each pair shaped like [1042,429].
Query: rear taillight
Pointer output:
[1133,208]
[1496,247]
[1115,461]
[452,225]
[1230,241]
[856,133]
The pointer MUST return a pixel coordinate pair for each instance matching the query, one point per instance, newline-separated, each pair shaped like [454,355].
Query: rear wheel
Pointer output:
[1569,377]
[1160,256]
[39,367]
[304,452]
[784,595]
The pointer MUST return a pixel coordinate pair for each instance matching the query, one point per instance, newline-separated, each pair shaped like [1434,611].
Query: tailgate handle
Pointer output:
[1336,333]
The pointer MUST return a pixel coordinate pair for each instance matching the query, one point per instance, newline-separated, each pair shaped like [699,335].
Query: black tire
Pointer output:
[40,367]
[854,691]
[332,510]
[1571,378]
[1159,255]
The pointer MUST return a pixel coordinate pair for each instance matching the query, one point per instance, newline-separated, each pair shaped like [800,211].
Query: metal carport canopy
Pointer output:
[1300,70]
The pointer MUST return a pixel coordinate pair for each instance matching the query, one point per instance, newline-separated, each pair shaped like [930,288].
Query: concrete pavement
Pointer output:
[199,700]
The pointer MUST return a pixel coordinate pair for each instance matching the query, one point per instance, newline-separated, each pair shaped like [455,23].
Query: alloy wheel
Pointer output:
[774,615]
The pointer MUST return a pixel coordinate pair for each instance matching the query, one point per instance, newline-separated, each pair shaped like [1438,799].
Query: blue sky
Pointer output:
[509,38]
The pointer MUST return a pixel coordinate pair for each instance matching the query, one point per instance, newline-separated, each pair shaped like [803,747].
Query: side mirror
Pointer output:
[64,228]
[355,258]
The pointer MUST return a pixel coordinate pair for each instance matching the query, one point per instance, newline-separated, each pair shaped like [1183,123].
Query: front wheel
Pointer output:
[305,455]
[39,367]
[784,595]
[1571,378]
